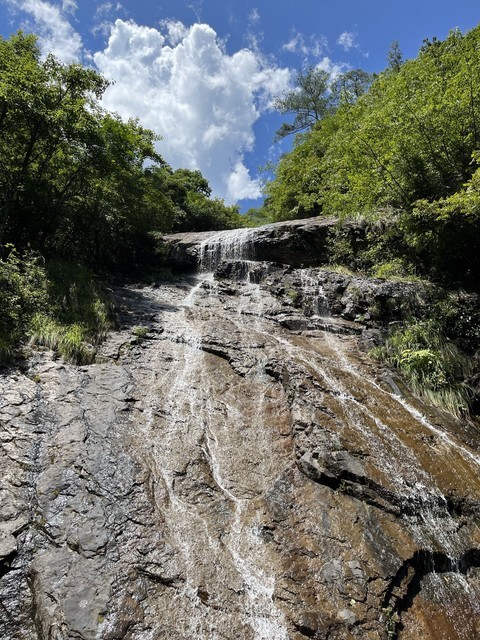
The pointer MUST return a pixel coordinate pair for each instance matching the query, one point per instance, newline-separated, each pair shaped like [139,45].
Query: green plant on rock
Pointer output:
[391,619]
[424,366]
[69,341]
[396,269]
[78,317]
[140,333]
[432,364]
[23,292]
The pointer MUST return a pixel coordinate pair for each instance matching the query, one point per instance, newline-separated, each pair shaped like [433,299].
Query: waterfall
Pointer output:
[243,471]
[199,431]
[237,244]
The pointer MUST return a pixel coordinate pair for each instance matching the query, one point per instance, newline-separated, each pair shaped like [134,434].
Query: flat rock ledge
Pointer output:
[295,242]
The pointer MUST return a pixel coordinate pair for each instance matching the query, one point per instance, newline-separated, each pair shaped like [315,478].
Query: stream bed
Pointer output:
[233,466]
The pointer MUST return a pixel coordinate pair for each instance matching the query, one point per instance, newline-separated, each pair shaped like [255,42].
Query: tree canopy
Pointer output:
[410,136]
[78,181]
[316,96]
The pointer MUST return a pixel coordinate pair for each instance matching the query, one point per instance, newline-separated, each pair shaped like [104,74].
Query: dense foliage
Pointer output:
[405,144]
[79,182]
[58,304]
[399,159]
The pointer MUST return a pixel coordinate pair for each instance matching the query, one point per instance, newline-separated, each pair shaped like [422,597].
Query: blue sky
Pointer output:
[204,73]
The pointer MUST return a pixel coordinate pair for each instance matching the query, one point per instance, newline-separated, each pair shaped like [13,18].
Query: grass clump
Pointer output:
[80,315]
[432,364]
[57,305]
[140,333]
[397,270]
[72,341]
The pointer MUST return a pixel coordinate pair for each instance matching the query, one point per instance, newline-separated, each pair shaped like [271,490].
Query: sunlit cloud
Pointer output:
[182,84]
[347,40]
[334,69]
[50,22]
[69,6]
[175,31]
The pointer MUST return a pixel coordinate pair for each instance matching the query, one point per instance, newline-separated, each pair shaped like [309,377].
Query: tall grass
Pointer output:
[431,363]
[80,316]
[57,305]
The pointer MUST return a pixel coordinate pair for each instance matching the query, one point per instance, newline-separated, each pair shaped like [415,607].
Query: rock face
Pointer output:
[237,468]
[294,242]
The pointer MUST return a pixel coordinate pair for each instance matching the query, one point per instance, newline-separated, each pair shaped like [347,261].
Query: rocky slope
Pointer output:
[236,466]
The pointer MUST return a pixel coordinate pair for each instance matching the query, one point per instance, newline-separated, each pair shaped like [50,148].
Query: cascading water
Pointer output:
[424,506]
[226,245]
[249,475]
[198,433]
[426,509]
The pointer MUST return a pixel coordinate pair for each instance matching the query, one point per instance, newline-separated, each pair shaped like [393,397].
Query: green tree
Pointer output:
[309,101]
[395,56]
[445,234]
[77,181]
[48,118]
[407,136]
[349,86]
[296,191]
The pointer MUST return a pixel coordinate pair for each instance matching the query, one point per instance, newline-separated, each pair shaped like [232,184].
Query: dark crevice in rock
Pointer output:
[216,351]
[305,631]
[6,564]
[407,583]
[172,582]
[361,488]
[336,475]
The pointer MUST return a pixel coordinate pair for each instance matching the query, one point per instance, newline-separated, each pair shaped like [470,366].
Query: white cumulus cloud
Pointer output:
[204,102]
[241,185]
[49,21]
[175,30]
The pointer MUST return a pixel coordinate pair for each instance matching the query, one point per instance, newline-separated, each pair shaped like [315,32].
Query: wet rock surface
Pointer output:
[235,466]
[295,242]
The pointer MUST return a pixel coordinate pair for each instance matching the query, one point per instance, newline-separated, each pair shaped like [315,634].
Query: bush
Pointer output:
[23,293]
[57,305]
[395,269]
[444,235]
[431,363]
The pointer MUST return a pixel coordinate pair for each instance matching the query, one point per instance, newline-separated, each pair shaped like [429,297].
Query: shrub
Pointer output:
[444,235]
[431,363]
[23,293]
[58,305]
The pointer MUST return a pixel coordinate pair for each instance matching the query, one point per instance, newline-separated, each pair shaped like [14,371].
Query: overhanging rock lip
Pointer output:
[304,223]
[292,242]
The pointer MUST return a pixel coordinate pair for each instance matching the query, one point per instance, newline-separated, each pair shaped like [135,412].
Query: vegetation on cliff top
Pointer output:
[78,182]
[403,148]
[398,154]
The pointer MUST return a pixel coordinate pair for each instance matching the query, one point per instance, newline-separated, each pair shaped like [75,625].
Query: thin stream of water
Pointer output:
[190,402]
